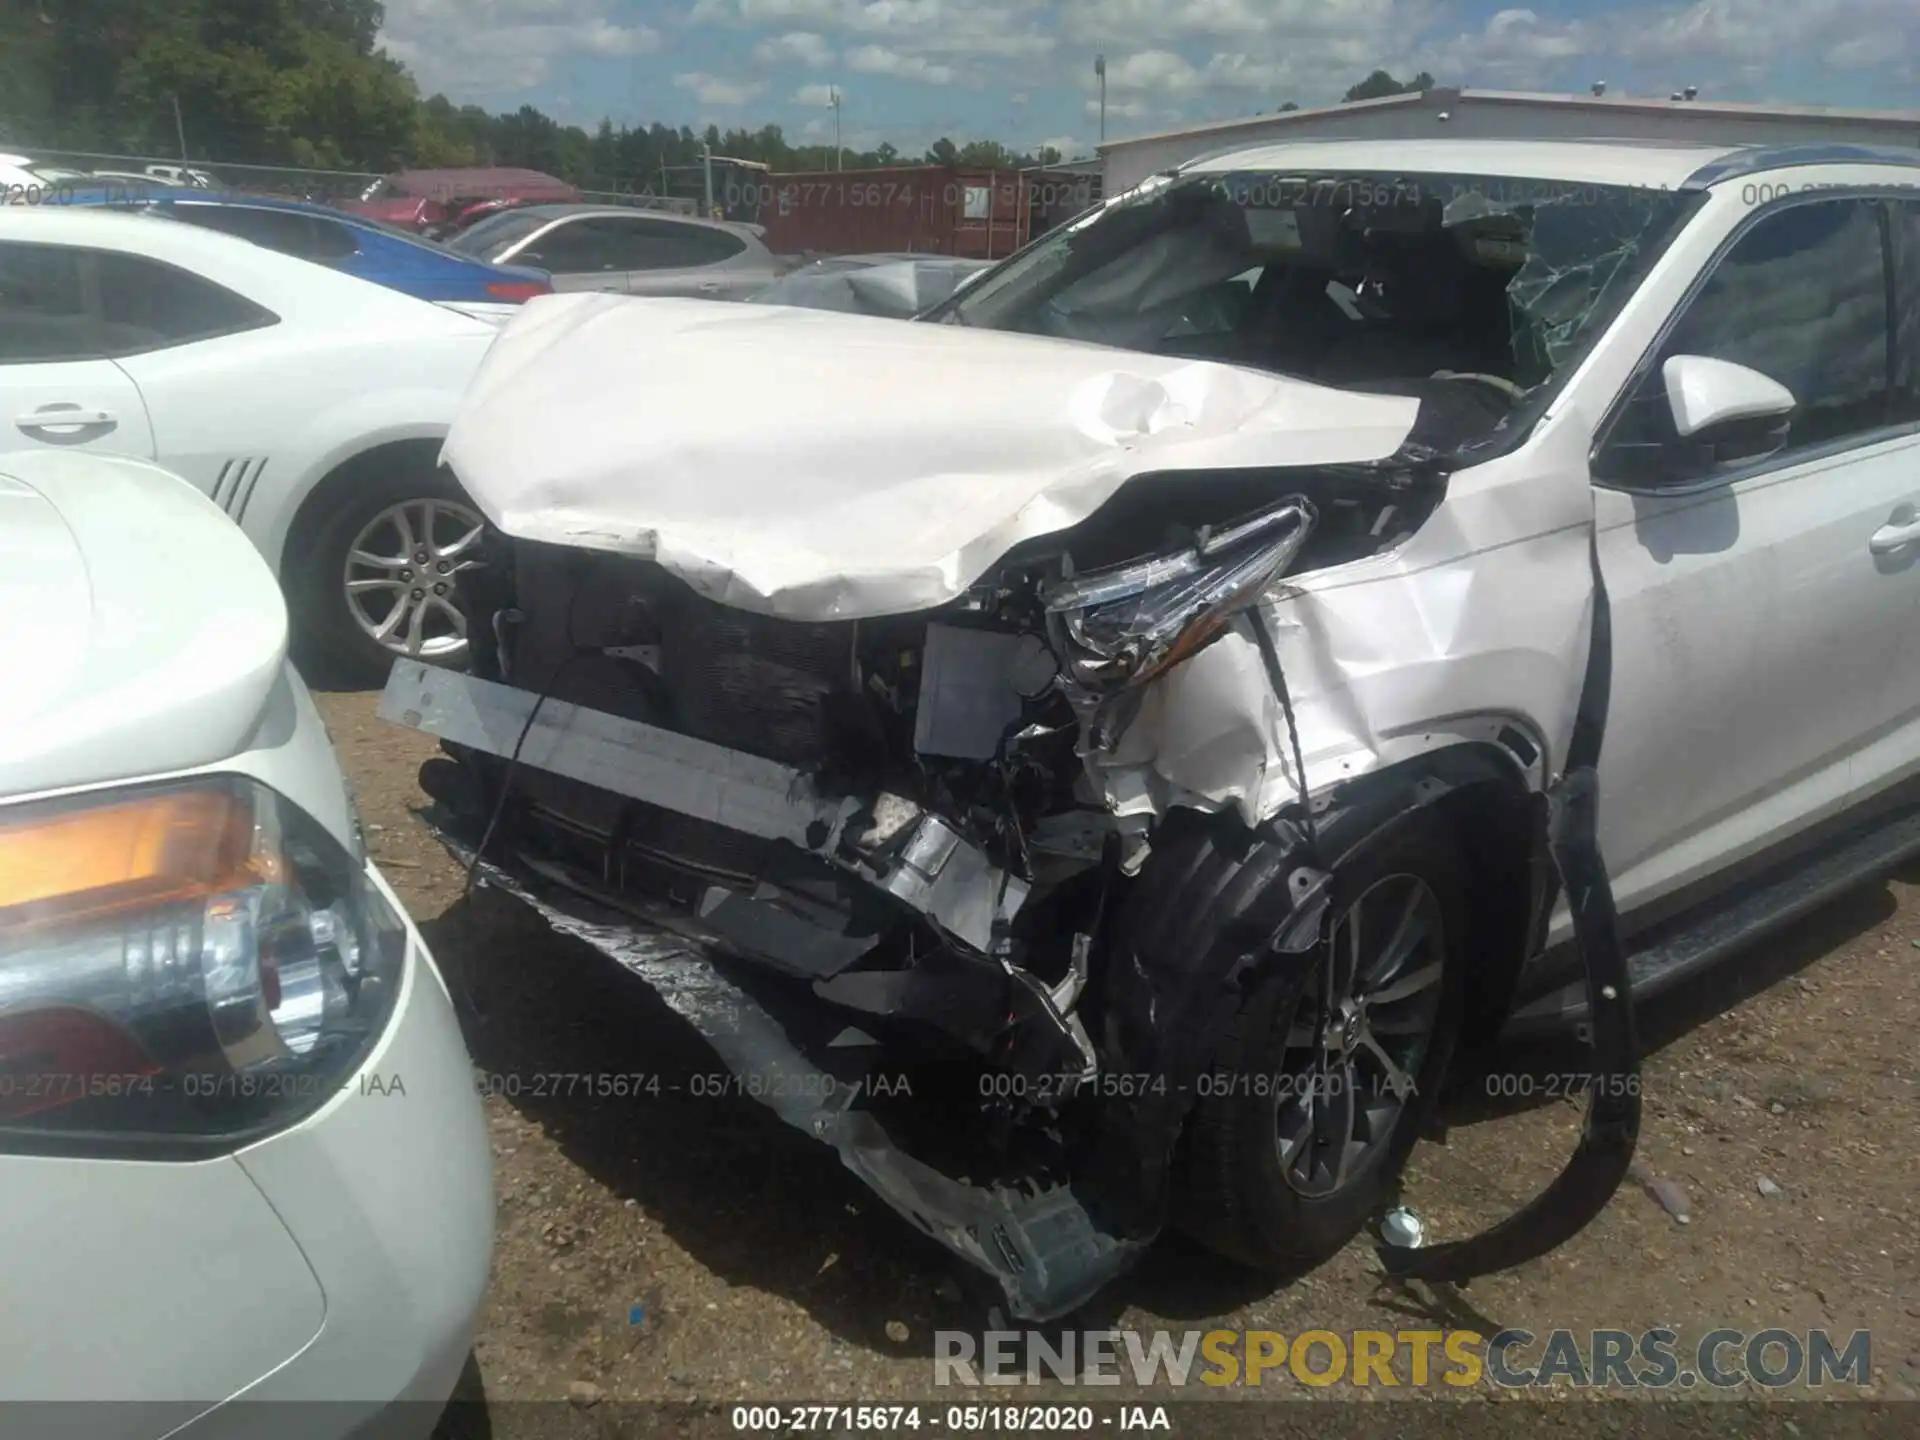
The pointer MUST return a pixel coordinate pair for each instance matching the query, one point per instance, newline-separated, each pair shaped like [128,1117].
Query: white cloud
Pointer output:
[717,89]
[1677,41]
[476,49]
[983,28]
[796,47]
[878,60]
[1122,23]
[1165,74]
[1175,59]
[814,95]
[1068,145]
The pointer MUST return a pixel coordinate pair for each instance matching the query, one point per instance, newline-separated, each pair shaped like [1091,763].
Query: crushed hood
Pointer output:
[820,466]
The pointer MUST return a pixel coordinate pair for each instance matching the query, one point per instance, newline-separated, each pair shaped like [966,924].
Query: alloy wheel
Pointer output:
[1359,1033]
[398,576]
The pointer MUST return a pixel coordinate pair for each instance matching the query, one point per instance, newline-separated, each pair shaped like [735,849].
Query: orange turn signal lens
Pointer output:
[76,864]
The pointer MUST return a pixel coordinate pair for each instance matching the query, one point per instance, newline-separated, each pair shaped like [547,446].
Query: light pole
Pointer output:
[1100,69]
[833,99]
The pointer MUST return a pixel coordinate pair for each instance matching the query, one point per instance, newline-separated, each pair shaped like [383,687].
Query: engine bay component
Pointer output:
[974,685]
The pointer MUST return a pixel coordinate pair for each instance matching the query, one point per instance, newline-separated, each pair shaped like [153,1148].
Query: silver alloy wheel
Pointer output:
[1359,1034]
[399,573]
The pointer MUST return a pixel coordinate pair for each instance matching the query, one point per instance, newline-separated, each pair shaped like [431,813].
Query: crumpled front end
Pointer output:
[873,861]
[852,751]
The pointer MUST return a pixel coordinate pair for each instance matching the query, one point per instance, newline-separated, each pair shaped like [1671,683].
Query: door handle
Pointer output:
[1891,537]
[709,287]
[62,424]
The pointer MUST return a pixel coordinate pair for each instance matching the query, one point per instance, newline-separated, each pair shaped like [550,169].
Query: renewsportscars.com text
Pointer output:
[1509,1359]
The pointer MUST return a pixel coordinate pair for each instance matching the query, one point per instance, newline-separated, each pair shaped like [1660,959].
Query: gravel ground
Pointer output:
[673,1248]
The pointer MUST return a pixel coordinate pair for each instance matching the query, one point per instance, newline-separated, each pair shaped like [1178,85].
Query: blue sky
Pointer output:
[910,71]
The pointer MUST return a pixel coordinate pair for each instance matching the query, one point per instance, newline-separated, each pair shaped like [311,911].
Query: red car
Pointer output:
[421,199]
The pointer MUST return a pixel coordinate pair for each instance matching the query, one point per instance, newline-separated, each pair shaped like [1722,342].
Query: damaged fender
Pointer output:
[1450,639]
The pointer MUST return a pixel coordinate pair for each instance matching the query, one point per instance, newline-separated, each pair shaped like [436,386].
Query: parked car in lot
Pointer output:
[23,181]
[309,405]
[896,286]
[183,175]
[240,1143]
[420,200]
[347,243]
[622,248]
[1166,755]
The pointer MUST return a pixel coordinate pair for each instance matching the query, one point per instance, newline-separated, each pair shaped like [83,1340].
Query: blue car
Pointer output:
[333,238]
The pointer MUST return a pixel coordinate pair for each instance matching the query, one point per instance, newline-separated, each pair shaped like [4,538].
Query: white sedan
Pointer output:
[309,405]
[240,1144]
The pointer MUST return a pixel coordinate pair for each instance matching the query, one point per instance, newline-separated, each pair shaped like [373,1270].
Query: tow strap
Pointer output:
[1599,1163]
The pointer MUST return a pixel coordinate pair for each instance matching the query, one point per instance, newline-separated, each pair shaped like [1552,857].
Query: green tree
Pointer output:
[1379,85]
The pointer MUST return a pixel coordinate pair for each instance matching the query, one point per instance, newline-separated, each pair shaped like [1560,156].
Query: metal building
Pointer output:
[1508,114]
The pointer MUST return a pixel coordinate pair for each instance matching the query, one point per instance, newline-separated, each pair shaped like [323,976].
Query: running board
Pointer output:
[1671,952]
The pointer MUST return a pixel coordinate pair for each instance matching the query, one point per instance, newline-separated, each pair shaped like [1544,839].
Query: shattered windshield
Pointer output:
[1378,282]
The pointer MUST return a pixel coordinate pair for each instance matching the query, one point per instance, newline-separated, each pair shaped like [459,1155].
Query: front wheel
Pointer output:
[378,579]
[1331,1068]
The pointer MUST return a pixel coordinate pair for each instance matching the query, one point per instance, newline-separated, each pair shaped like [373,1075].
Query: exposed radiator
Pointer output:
[754,683]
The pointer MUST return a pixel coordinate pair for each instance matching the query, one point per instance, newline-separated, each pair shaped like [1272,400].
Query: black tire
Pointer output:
[1231,1192]
[316,563]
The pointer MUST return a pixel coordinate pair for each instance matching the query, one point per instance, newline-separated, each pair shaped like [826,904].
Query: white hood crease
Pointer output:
[818,466]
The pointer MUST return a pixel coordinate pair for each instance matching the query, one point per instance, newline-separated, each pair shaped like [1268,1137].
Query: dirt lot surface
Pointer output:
[680,1248]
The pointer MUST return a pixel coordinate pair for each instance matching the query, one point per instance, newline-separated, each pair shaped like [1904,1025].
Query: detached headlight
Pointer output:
[184,966]
[1117,628]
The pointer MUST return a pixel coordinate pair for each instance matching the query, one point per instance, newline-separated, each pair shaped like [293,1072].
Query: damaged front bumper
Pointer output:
[909,853]
[806,1061]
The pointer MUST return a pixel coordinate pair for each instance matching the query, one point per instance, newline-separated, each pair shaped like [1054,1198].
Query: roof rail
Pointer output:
[1761,158]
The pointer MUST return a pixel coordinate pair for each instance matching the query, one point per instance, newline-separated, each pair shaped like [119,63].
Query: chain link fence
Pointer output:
[324,186]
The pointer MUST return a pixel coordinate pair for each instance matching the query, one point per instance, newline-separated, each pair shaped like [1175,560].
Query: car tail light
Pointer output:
[516,292]
[191,965]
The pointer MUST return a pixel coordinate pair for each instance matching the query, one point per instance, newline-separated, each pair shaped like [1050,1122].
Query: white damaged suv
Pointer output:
[1098,755]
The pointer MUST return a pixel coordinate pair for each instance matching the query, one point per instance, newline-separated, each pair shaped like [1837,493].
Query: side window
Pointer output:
[663,245]
[700,246]
[306,237]
[43,310]
[330,242]
[64,303]
[165,301]
[575,247]
[1906,316]
[1802,299]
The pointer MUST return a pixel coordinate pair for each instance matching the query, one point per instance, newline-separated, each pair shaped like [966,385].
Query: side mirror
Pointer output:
[1725,414]
[1705,394]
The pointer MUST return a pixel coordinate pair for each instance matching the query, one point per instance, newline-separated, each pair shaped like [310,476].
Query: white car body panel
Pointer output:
[131,664]
[264,415]
[854,503]
[73,404]
[1728,739]
[149,1263]
[325,1262]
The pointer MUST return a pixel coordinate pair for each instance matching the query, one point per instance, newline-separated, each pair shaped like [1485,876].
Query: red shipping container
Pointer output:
[917,209]
[852,212]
